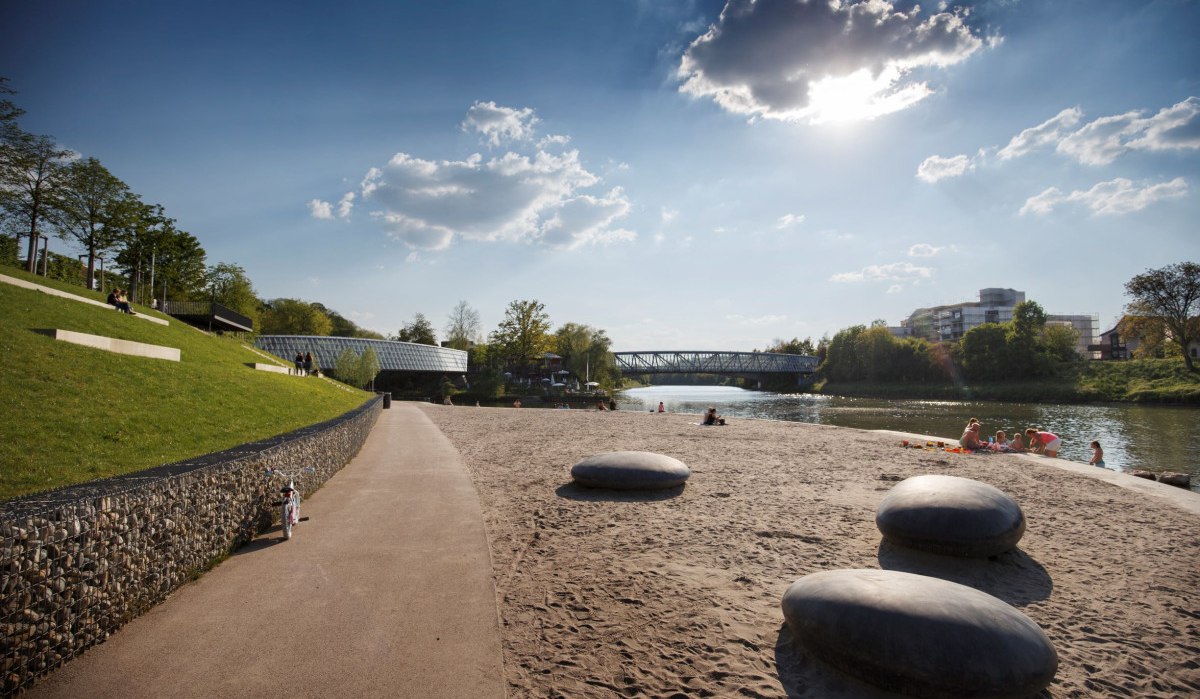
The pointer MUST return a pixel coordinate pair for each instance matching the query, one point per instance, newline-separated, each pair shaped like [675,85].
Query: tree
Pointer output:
[357,369]
[92,206]
[145,230]
[523,336]
[462,327]
[587,353]
[294,317]
[32,171]
[1171,294]
[228,285]
[793,346]
[180,266]
[420,331]
[985,352]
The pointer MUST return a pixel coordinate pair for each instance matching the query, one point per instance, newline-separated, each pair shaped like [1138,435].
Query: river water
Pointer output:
[1153,438]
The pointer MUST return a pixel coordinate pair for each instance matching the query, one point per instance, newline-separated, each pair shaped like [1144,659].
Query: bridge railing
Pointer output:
[700,362]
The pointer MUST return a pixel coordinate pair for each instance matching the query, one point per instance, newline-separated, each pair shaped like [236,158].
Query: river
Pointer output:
[1152,438]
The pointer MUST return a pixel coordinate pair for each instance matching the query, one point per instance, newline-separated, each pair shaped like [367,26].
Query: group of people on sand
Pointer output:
[1040,441]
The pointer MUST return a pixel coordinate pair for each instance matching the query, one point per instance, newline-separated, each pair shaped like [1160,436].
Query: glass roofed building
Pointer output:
[393,355]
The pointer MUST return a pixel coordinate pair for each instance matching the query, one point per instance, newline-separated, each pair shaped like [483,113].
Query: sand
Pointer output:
[677,594]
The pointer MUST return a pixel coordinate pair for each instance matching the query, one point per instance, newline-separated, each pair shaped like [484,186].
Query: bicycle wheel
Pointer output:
[287,519]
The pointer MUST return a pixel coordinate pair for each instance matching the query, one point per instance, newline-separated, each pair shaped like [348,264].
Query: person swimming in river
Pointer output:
[1097,455]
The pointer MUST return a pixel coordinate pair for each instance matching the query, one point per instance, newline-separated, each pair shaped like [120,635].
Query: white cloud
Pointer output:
[345,205]
[1047,133]
[788,220]
[769,319]
[533,197]
[924,250]
[667,215]
[320,209]
[896,271]
[821,60]
[895,289]
[935,167]
[1112,198]
[499,125]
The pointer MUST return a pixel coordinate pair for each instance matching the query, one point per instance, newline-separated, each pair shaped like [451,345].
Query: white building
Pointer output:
[949,323]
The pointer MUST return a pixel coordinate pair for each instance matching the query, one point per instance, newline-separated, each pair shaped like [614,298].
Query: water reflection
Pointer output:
[1154,438]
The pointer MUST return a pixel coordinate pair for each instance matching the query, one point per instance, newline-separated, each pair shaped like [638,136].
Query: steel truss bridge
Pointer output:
[756,365]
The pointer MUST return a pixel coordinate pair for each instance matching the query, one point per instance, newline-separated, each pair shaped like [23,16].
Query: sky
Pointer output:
[685,175]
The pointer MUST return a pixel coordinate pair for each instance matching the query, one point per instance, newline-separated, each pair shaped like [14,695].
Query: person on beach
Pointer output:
[1043,442]
[1097,455]
[612,404]
[711,418]
[1001,442]
[601,406]
[1015,444]
[661,408]
[970,437]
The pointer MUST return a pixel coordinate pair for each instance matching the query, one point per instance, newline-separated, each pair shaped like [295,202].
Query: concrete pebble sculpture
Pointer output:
[919,635]
[630,470]
[950,515]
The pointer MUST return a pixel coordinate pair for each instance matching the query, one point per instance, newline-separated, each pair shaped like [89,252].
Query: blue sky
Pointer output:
[685,175]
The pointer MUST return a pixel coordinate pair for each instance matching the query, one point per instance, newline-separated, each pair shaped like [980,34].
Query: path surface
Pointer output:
[385,592]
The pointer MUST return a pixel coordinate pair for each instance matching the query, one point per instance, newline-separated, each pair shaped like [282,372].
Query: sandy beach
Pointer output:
[676,594]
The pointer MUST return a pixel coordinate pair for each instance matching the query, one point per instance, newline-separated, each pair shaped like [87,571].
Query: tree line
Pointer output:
[1163,314]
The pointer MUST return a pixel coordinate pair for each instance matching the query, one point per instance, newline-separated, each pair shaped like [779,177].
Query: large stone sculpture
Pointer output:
[950,515]
[919,635]
[630,470]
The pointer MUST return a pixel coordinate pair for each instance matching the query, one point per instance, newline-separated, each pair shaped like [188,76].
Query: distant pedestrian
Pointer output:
[308,363]
[299,363]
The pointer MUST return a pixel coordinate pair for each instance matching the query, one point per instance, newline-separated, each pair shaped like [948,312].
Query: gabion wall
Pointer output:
[78,563]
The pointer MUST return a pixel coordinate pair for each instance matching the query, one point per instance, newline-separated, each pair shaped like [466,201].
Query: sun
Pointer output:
[861,95]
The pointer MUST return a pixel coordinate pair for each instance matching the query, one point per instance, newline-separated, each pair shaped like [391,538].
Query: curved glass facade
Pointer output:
[393,354]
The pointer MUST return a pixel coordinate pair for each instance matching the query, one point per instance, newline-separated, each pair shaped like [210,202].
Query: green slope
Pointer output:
[70,414]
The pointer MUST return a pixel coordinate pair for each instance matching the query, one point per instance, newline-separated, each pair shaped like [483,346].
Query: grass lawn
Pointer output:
[70,414]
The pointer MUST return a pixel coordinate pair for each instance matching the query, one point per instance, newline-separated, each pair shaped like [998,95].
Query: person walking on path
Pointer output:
[299,362]
[308,363]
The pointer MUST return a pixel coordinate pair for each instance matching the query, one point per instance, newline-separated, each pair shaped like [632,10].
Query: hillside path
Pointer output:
[385,592]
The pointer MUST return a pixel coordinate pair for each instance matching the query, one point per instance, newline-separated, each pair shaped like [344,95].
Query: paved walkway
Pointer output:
[385,592]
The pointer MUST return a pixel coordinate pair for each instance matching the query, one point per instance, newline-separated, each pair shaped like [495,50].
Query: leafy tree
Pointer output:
[368,366]
[180,271]
[420,331]
[793,346]
[346,366]
[462,327]
[1171,294]
[344,327]
[1060,343]
[1024,333]
[228,285]
[523,336]
[985,352]
[32,171]
[92,206]
[145,231]
[841,360]
[294,317]
[587,353]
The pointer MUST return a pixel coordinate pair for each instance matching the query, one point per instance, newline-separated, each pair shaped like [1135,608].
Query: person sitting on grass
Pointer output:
[117,298]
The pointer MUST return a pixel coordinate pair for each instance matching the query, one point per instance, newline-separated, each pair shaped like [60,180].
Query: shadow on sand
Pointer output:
[1012,576]
[572,491]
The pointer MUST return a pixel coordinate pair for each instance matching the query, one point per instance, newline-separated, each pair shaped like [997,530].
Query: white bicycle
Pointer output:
[290,504]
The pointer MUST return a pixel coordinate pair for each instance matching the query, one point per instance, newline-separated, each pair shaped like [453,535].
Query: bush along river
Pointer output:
[1135,437]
